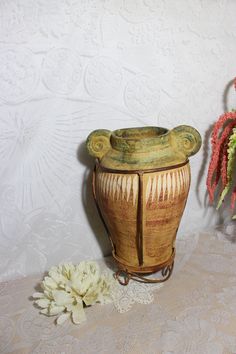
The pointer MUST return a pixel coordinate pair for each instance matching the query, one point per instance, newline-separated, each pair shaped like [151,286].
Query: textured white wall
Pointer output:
[68,67]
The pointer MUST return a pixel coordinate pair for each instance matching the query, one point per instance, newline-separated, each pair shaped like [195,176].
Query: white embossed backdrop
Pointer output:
[68,67]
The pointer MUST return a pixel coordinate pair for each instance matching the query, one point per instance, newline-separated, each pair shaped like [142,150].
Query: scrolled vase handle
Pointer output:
[98,143]
[188,139]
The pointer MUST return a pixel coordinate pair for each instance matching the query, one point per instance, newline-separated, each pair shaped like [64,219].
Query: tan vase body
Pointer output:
[141,184]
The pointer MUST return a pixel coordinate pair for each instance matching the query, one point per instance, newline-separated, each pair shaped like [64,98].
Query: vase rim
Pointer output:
[140,133]
[139,139]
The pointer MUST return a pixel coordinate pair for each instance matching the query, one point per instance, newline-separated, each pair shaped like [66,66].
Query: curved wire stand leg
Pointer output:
[124,276]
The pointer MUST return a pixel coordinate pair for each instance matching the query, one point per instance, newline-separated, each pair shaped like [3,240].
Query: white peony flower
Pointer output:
[69,288]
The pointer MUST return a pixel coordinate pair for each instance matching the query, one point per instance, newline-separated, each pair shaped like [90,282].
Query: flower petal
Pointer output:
[38,295]
[56,274]
[55,310]
[67,269]
[49,283]
[62,318]
[62,298]
[104,288]
[42,303]
[44,312]
[78,314]
[91,297]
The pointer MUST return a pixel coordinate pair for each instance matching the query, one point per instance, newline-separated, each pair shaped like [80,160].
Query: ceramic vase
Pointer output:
[141,184]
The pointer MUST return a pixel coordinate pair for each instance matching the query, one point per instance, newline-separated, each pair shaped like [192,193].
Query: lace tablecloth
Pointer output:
[193,312]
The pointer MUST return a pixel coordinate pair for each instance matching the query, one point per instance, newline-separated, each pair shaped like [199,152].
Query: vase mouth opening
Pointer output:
[140,133]
[139,139]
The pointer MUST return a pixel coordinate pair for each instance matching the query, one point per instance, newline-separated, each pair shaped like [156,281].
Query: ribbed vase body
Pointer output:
[164,196]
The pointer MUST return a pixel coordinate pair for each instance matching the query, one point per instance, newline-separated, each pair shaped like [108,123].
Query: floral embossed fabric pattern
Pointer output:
[192,313]
[69,67]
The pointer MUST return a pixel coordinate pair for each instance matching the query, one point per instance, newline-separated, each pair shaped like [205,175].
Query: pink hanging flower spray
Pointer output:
[221,167]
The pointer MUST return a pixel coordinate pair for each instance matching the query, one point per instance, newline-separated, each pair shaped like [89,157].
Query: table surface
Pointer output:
[193,312]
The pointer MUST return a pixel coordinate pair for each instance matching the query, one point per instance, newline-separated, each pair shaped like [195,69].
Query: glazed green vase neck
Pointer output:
[139,140]
[143,147]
